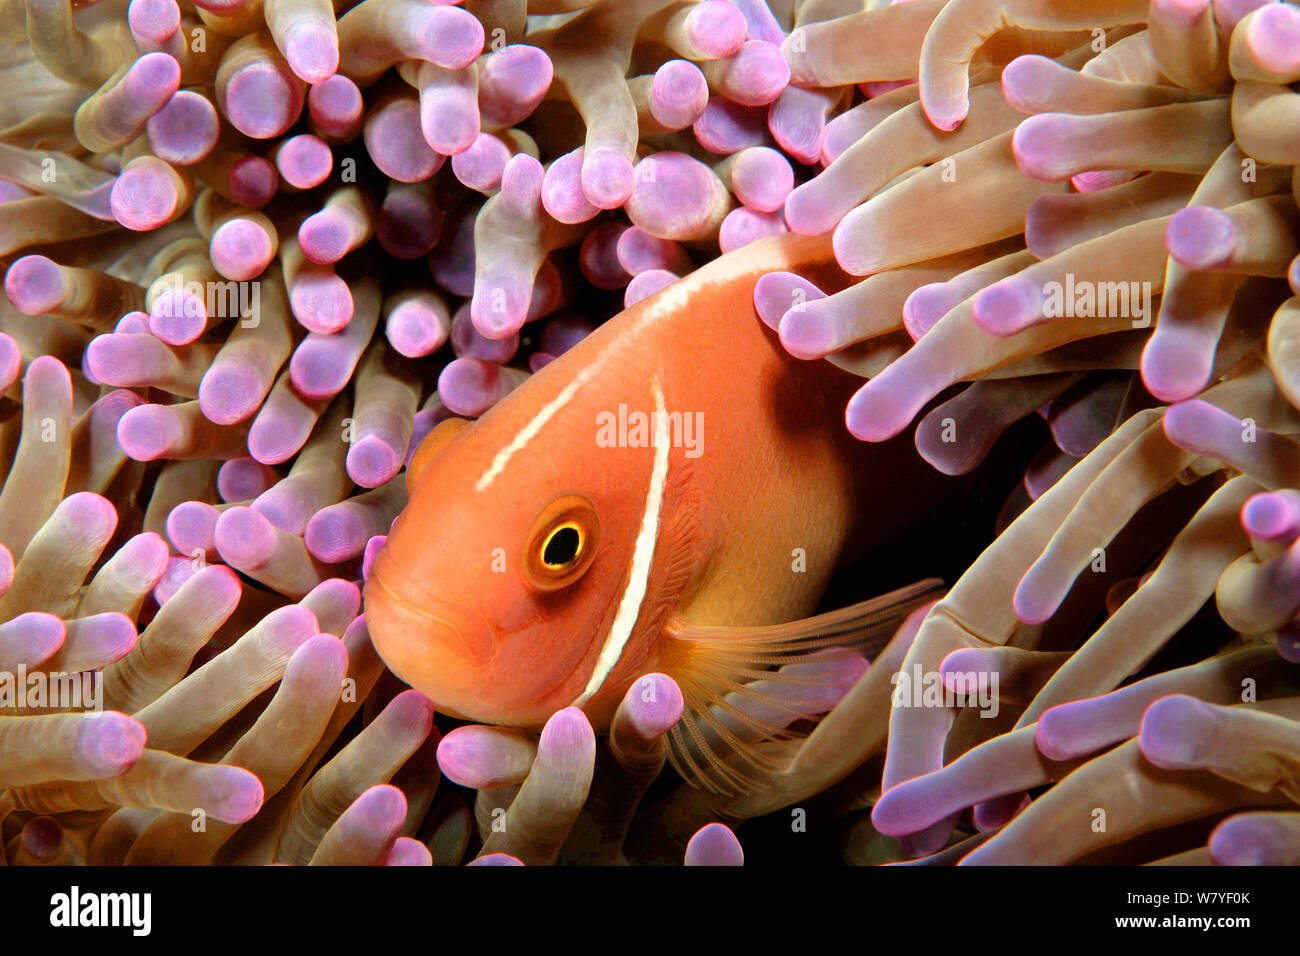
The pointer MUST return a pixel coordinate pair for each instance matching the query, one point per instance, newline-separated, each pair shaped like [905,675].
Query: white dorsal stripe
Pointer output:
[629,607]
[529,431]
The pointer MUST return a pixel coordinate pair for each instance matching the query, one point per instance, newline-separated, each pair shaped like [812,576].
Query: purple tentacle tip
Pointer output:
[678,94]
[1178,732]
[714,845]
[1201,237]
[776,293]
[1008,307]
[1252,839]
[373,547]
[716,28]
[607,178]
[653,704]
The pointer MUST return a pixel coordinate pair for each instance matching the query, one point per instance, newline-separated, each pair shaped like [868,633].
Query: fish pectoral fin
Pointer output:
[746,689]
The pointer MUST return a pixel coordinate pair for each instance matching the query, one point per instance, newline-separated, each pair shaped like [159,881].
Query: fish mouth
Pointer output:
[433,628]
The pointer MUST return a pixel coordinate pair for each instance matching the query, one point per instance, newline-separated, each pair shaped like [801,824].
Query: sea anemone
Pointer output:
[254,252]
[1155,166]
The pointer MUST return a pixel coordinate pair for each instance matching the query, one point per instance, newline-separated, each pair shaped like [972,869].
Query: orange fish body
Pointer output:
[677,470]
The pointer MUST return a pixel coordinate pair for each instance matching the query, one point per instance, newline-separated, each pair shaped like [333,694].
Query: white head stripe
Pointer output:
[629,608]
[529,431]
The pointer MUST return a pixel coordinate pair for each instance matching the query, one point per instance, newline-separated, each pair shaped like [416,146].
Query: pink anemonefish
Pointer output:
[670,495]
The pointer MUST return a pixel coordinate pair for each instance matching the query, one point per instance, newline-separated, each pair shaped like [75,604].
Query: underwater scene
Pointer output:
[806,433]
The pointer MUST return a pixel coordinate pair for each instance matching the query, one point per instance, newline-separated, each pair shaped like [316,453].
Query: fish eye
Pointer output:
[563,543]
[562,547]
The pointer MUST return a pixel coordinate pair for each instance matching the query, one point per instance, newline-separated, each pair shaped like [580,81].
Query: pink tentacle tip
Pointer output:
[1042,145]
[562,195]
[714,845]
[1178,731]
[373,547]
[1272,516]
[395,141]
[178,316]
[805,332]
[151,81]
[6,570]
[496,859]
[321,302]
[108,637]
[185,130]
[1274,37]
[776,293]
[93,517]
[482,164]
[567,739]
[716,28]
[757,74]
[1009,306]
[743,225]
[499,308]
[145,195]
[876,412]
[144,559]
[654,705]
[31,638]
[304,161]
[35,285]
[230,393]
[242,479]
[149,432]
[262,99]
[647,283]
[1176,363]
[1187,11]
[190,527]
[11,362]
[110,743]
[154,21]
[241,250]
[470,386]
[512,81]
[236,794]
[679,94]
[312,52]
[372,460]
[409,852]
[1038,595]
[454,37]
[449,119]
[253,181]
[1288,643]
[335,105]
[1201,237]
[1025,77]
[607,178]
[244,538]
[380,809]
[1194,425]
[944,113]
